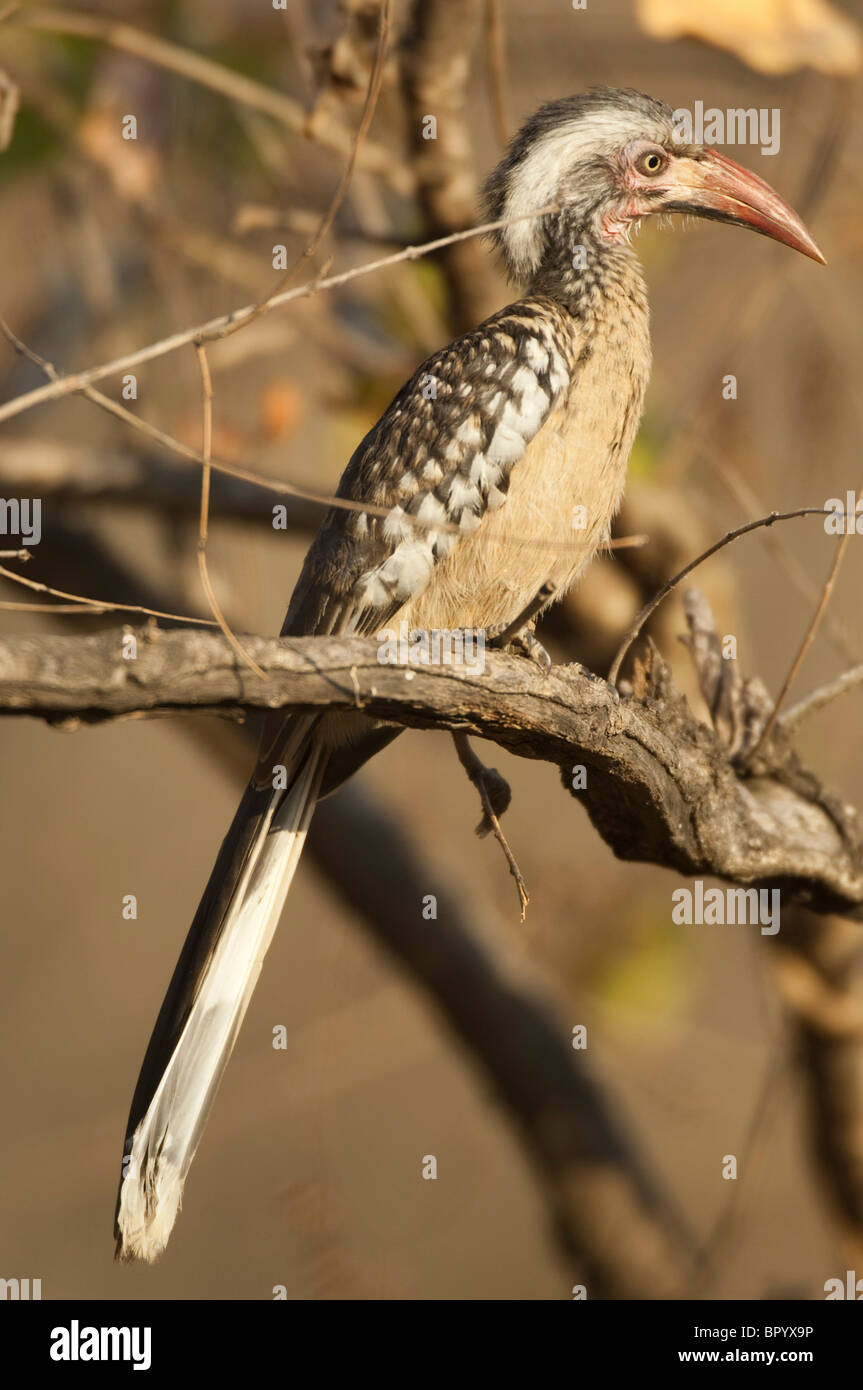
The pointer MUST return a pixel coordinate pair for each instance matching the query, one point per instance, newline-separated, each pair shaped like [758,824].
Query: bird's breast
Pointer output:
[563,494]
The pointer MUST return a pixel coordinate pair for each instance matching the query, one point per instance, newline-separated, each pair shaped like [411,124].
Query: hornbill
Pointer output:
[498,437]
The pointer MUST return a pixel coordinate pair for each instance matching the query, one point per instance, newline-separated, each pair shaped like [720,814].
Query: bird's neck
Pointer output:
[586,274]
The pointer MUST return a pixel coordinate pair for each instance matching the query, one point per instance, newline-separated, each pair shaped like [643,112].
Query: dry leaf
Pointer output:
[131,165]
[281,409]
[770,35]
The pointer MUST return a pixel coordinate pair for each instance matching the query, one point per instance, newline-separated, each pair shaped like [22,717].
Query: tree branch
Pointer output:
[438,65]
[236,86]
[227,323]
[659,786]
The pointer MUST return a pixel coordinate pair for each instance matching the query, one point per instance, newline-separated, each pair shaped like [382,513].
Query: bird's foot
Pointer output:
[522,643]
[526,643]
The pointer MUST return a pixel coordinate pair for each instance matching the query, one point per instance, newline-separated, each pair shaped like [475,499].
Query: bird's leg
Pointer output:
[521,643]
[520,634]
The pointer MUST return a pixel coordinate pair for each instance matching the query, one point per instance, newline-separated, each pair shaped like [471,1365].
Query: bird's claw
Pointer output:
[526,643]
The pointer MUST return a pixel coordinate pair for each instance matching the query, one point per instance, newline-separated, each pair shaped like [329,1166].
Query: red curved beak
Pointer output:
[714,186]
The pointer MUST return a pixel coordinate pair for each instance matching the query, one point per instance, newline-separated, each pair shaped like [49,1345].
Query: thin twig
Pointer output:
[369,107]
[329,217]
[809,635]
[206,450]
[207,73]
[87,605]
[748,500]
[820,697]
[672,583]
[70,610]
[480,775]
[185,451]
[234,470]
[69,385]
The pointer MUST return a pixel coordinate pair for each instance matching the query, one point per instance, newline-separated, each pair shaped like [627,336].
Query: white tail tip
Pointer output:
[148,1207]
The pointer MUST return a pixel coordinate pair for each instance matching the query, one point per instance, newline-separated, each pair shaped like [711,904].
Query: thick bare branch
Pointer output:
[437,73]
[659,786]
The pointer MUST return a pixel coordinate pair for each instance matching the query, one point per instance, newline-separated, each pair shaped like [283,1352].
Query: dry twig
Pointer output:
[207,73]
[213,328]
[809,635]
[329,217]
[824,695]
[672,583]
[206,450]
[495,796]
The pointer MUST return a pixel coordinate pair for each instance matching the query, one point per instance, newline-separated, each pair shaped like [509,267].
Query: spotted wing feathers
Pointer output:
[437,461]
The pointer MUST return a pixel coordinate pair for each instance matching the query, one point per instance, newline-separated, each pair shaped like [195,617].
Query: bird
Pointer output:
[507,433]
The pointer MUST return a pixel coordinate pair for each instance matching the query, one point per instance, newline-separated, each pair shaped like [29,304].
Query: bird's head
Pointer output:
[607,159]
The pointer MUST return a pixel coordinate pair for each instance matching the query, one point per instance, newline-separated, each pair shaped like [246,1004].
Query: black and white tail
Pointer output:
[208,997]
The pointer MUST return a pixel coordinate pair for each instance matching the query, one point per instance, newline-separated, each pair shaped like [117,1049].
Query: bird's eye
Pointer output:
[651,162]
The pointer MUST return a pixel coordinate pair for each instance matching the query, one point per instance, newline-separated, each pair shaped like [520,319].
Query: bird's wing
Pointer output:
[440,457]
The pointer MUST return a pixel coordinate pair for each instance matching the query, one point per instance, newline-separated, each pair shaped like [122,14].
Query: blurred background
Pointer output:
[310,1172]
